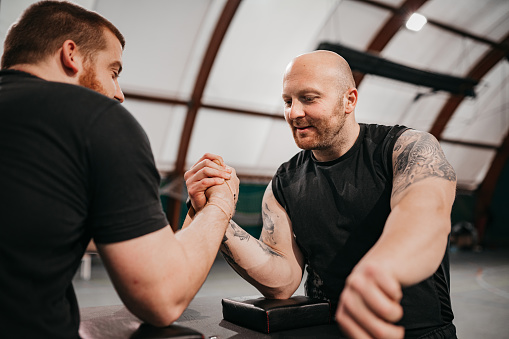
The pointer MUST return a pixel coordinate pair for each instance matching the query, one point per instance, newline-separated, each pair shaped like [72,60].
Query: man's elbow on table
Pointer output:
[159,311]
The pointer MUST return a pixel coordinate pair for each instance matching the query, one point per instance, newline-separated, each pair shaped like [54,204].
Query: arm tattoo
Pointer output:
[268,226]
[239,232]
[418,156]
[267,249]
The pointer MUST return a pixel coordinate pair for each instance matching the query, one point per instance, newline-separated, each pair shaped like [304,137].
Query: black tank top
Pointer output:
[338,211]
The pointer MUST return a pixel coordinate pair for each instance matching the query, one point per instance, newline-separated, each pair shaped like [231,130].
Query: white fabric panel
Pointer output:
[278,147]
[385,101]
[263,37]
[434,50]
[471,164]
[343,25]
[165,42]
[168,156]
[10,10]
[422,113]
[163,124]
[393,3]
[488,18]
[484,119]
[237,138]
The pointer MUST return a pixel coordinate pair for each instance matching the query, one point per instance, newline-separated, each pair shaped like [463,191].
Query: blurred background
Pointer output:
[205,76]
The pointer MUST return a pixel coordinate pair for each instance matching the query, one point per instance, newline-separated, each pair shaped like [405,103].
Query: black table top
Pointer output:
[204,315]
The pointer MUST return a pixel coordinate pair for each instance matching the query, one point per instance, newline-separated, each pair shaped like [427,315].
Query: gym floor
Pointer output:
[479,290]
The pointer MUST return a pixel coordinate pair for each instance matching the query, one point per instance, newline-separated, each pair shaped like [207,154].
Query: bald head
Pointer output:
[327,65]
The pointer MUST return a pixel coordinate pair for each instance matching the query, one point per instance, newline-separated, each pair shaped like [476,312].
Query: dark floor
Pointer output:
[479,290]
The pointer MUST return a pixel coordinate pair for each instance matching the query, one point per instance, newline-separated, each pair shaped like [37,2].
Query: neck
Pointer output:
[47,71]
[348,135]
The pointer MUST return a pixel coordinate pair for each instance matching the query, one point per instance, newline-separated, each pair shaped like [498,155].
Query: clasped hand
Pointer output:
[211,181]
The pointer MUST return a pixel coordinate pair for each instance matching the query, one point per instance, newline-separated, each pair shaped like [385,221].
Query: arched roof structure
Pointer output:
[205,75]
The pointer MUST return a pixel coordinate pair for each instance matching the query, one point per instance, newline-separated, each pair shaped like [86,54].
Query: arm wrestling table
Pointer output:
[204,315]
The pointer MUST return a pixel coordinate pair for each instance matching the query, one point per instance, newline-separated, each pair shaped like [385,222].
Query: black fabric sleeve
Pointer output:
[277,192]
[124,182]
[388,148]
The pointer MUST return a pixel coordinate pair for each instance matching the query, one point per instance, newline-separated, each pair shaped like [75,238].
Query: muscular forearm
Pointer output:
[158,274]
[258,263]
[200,244]
[414,240]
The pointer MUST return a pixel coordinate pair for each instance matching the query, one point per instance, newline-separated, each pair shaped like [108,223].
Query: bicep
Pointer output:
[277,232]
[419,162]
[138,265]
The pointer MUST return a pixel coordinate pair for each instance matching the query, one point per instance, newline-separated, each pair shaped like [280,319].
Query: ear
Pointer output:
[350,99]
[71,59]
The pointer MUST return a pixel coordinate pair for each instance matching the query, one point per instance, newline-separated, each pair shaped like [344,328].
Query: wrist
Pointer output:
[222,205]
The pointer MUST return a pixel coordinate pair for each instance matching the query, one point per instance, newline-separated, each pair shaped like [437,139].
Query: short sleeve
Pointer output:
[124,182]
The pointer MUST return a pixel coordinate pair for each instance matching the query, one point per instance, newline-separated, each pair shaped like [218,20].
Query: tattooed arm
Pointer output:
[273,264]
[413,241]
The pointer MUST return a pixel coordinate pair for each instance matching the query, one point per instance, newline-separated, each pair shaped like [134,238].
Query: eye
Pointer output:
[288,102]
[308,99]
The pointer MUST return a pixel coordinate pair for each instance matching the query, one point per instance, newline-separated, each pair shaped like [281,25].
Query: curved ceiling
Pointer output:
[205,75]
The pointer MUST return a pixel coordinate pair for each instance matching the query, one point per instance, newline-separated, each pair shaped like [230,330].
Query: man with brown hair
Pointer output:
[76,166]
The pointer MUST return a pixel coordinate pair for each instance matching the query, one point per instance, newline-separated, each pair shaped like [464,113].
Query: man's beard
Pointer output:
[325,133]
[89,80]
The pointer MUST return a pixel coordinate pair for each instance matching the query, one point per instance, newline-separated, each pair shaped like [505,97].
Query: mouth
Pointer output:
[302,128]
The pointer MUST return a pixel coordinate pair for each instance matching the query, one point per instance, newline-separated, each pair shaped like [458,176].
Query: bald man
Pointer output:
[366,208]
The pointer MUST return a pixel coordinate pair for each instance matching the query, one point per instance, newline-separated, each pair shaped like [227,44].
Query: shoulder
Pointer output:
[417,156]
[294,163]
[416,141]
[380,133]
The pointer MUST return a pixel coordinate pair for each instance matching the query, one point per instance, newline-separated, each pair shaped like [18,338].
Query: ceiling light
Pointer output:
[416,21]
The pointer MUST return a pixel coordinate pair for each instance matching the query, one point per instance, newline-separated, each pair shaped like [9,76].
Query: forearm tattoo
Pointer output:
[418,156]
[238,232]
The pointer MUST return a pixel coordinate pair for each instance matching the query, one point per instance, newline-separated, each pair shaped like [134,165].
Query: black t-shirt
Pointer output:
[338,210]
[74,165]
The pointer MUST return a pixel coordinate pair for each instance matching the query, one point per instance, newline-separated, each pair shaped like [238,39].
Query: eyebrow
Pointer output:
[304,91]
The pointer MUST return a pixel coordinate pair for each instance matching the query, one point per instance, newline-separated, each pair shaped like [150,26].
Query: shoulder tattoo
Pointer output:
[417,156]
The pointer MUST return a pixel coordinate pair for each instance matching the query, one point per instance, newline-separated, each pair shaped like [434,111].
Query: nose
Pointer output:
[295,110]
[119,95]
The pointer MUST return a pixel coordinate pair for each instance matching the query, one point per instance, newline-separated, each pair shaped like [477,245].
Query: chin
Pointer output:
[304,145]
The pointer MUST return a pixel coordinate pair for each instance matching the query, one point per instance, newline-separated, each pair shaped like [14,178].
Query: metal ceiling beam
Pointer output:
[229,10]
[223,23]
[486,63]
[441,25]
[487,186]
[369,63]
[400,14]
[172,101]
[391,27]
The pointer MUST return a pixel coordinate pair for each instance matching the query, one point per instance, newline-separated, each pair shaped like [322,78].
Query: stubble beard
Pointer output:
[326,133]
[89,80]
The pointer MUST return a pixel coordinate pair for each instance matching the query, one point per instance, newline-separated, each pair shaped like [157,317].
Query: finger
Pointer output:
[216,158]
[349,327]
[208,159]
[382,304]
[199,187]
[211,172]
[354,307]
[205,170]
[390,286]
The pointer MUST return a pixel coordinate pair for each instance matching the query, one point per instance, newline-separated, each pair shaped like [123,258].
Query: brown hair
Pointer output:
[44,26]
